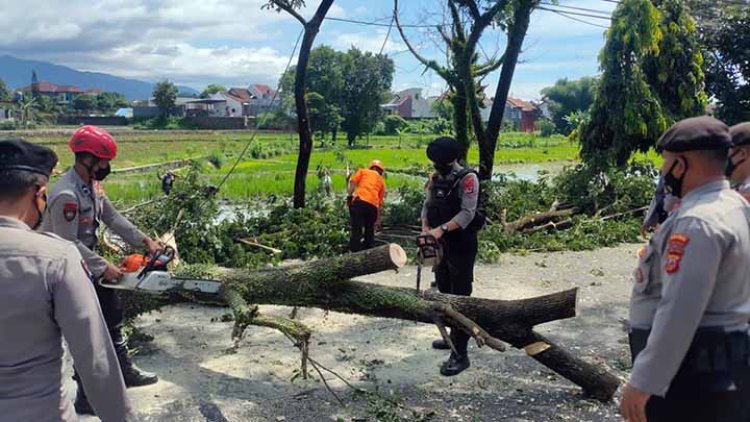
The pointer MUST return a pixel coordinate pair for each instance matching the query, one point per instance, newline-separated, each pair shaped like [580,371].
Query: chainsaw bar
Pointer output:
[161,282]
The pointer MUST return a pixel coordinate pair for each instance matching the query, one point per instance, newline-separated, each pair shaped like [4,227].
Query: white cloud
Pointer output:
[369,41]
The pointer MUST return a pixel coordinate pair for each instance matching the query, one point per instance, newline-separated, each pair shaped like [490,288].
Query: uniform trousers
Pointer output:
[455,273]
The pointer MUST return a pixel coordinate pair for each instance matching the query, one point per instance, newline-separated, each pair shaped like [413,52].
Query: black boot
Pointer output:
[82,405]
[133,376]
[440,344]
[455,365]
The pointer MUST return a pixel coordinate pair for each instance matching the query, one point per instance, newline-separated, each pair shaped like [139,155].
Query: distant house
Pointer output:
[60,94]
[522,113]
[409,104]
[6,110]
[262,99]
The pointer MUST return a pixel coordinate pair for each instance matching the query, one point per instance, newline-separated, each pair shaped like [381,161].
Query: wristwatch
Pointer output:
[444,227]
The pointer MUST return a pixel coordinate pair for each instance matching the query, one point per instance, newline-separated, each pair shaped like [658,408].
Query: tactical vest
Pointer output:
[445,200]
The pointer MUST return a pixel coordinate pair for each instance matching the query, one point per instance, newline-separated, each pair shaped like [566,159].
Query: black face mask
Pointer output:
[443,168]
[673,184]
[102,173]
[40,214]
[732,166]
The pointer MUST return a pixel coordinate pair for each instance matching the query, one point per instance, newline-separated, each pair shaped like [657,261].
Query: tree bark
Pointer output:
[325,284]
[303,119]
[522,16]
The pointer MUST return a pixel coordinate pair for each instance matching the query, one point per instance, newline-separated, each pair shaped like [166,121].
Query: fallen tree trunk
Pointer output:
[325,284]
[537,219]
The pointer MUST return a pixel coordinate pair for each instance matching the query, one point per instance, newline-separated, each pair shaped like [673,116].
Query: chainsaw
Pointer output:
[150,275]
[429,254]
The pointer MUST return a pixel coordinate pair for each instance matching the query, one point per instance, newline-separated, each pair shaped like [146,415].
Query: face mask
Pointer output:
[443,168]
[732,166]
[40,213]
[673,184]
[102,173]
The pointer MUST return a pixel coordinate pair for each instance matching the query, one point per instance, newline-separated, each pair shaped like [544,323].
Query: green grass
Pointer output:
[275,174]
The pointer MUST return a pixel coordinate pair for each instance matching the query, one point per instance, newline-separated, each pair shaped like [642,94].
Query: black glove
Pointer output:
[349,200]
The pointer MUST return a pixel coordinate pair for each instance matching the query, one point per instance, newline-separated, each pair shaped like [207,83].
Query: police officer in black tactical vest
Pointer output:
[450,215]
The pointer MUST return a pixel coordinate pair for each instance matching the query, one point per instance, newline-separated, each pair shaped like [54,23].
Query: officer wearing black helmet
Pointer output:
[450,215]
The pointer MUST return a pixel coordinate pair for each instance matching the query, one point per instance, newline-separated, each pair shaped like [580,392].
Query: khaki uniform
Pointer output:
[45,293]
[76,210]
[694,275]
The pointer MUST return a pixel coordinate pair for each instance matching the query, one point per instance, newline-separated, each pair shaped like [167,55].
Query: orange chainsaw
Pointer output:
[150,275]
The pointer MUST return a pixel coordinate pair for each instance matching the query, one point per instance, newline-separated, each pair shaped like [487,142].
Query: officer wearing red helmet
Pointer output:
[77,207]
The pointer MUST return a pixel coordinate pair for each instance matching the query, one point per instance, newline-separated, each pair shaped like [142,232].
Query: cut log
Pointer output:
[325,284]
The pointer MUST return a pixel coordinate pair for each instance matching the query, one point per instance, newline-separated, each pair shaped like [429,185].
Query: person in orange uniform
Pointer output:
[366,195]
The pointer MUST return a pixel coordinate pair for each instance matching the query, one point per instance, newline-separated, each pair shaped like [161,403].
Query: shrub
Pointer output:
[546,128]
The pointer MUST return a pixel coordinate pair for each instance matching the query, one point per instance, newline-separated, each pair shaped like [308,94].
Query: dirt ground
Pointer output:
[203,379]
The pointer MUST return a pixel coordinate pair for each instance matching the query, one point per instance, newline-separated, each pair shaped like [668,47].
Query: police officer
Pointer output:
[690,303]
[449,214]
[77,207]
[738,166]
[366,195]
[46,293]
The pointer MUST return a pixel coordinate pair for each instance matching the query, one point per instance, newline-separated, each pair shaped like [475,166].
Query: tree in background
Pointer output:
[85,103]
[464,74]
[675,73]
[108,102]
[724,36]
[165,95]
[212,89]
[626,115]
[323,86]
[367,82]
[566,97]
[4,93]
[34,85]
[311,29]
[651,77]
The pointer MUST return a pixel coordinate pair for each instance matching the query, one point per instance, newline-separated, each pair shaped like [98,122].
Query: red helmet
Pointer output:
[95,141]
[376,164]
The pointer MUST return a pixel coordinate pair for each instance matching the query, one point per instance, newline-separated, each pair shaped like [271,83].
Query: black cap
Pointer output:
[695,133]
[17,154]
[740,134]
[443,150]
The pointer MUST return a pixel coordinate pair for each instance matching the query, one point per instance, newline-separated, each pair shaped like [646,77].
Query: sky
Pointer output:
[235,43]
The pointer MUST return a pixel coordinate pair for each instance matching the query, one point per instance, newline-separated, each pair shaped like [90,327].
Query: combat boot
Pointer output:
[440,344]
[455,365]
[133,376]
[81,404]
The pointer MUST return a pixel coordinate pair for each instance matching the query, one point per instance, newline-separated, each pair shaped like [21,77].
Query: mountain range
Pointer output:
[17,73]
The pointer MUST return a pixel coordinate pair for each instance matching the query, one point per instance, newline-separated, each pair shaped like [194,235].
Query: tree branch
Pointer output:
[489,67]
[289,9]
[430,64]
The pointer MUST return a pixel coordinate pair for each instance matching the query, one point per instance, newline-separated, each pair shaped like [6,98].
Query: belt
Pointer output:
[712,349]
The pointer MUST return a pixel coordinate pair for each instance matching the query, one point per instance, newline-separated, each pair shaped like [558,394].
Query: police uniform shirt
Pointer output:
[468,192]
[693,273]
[75,211]
[744,188]
[46,293]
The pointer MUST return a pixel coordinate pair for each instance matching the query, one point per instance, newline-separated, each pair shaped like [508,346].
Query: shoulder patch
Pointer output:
[675,250]
[70,210]
[470,185]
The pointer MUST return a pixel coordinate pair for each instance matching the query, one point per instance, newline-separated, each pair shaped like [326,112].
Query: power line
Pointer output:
[387,34]
[384,25]
[587,15]
[566,15]
[583,9]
